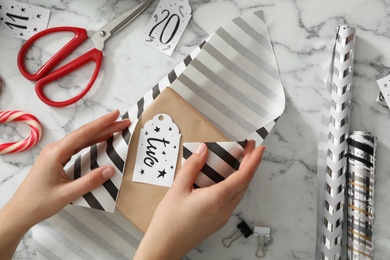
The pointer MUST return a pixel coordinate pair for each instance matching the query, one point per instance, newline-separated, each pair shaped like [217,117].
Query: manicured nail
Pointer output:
[108,173]
[201,148]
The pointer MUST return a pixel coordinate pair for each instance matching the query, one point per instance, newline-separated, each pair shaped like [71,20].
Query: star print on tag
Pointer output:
[157,152]
[22,20]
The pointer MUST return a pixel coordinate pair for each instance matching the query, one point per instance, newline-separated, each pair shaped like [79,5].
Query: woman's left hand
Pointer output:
[47,189]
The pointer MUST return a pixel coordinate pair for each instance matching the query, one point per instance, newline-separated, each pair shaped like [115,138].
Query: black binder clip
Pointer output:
[243,230]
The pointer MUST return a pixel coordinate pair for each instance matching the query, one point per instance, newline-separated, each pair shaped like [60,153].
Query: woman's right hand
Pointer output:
[187,216]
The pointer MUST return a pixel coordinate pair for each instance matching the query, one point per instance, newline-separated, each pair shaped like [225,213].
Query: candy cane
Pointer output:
[27,143]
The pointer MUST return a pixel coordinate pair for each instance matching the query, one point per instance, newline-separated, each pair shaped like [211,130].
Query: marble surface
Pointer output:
[283,193]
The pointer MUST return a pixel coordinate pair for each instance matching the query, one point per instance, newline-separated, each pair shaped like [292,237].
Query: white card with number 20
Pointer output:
[167,25]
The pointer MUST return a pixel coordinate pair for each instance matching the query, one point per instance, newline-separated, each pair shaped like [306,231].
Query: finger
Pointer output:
[251,162]
[191,168]
[248,167]
[240,180]
[250,146]
[90,181]
[238,197]
[106,133]
[79,138]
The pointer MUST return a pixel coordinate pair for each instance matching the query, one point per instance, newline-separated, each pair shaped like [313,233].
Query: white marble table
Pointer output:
[283,193]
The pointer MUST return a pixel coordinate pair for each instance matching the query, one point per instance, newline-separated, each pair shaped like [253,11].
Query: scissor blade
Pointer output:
[117,24]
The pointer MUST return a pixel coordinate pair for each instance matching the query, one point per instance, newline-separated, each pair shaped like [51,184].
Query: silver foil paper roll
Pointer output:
[361,191]
[333,147]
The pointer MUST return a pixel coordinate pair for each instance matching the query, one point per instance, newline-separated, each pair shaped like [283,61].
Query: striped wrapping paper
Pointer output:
[232,78]
[223,159]
[332,147]
[361,191]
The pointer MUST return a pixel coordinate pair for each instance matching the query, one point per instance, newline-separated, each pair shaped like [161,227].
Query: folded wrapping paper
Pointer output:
[223,159]
[332,148]
[144,197]
[233,79]
[361,191]
[78,233]
[250,98]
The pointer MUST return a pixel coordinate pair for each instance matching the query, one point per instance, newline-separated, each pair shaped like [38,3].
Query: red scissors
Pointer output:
[46,74]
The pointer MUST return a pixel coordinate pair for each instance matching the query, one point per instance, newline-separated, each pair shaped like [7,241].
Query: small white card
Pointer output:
[22,20]
[167,25]
[384,86]
[157,152]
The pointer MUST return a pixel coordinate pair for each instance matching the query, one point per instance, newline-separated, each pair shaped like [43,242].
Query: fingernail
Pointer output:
[127,120]
[201,148]
[116,111]
[108,173]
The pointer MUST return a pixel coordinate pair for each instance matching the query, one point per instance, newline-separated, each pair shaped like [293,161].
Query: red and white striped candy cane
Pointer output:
[27,143]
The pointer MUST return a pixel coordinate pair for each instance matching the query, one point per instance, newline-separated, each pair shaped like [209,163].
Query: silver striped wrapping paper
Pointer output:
[332,148]
[244,103]
[232,78]
[361,191]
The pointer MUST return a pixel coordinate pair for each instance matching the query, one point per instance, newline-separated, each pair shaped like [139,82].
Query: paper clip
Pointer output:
[243,230]
[264,238]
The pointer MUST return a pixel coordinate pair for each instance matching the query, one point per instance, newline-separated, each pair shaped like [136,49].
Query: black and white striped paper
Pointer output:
[114,151]
[233,80]
[361,194]
[333,146]
[223,159]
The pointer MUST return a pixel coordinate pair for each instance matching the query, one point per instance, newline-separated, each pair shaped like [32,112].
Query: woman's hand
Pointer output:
[186,216]
[47,189]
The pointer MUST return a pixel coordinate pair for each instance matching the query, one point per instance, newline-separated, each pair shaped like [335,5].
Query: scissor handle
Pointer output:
[92,55]
[80,35]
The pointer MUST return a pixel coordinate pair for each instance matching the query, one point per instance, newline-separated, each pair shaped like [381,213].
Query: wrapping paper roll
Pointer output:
[361,189]
[333,145]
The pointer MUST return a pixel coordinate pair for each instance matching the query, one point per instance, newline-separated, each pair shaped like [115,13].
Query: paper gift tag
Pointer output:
[167,25]
[22,20]
[383,84]
[157,152]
